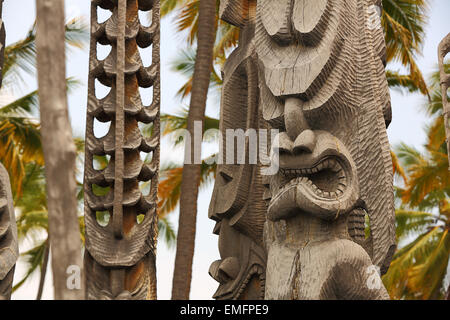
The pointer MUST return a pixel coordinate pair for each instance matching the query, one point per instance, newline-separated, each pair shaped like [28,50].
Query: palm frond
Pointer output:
[33,258]
[167,232]
[404,25]
[21,55]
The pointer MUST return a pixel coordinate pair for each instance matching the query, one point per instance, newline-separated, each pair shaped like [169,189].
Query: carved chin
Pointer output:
[327,189]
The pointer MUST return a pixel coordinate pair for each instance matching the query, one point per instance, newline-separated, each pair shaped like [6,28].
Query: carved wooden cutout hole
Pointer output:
[146,55]
[140,218]
[101,128]
[103,218]
[100,191]
[145,18]
[146,95]
[146,129]
[103,14]
[145,186]
[103,51]
[147,157]
[101,90]
[100,162]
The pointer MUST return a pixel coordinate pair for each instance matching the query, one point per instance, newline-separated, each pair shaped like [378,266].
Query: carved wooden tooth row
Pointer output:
[120,257]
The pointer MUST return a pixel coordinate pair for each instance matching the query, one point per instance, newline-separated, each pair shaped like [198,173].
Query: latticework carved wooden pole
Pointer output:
[59,148]
[120,257]
[443,50]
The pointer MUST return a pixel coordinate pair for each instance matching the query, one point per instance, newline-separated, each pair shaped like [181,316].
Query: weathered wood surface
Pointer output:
[236,204]
[324,87]
[9,249]
[58,146]
[443,50]
[120,257]
[322,84]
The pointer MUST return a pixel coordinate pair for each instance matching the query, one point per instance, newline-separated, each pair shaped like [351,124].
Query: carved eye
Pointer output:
[225,177]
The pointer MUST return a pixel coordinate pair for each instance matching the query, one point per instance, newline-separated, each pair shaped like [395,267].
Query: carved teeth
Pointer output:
[302,175]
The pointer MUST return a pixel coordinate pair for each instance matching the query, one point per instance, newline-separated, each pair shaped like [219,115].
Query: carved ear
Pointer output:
[234,12]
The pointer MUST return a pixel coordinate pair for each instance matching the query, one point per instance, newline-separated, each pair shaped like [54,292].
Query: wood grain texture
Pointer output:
[58,147]
[120,257]
[443,50]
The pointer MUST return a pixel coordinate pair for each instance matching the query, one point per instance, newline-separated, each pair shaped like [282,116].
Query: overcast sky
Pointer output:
[407,126]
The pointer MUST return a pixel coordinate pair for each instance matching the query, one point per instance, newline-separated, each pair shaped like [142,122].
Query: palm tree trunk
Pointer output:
[43,270]
[58,146]
[191,172]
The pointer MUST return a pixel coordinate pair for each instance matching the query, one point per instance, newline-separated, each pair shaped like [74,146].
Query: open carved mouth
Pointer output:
[327,179]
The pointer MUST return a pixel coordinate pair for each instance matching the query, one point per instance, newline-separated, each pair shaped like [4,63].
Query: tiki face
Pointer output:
[317,171]
[236,202]
[323,86]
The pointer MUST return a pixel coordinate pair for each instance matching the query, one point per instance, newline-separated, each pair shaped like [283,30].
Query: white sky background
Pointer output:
[407,126]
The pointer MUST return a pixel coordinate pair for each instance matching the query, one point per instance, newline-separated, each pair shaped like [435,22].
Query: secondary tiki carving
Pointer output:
[120,257]
[443,50]
[9,248]
[323,86]
[237,204]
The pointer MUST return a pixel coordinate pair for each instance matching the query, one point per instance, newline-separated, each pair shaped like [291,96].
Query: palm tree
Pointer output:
[58,147]
[423,217]
[191,174]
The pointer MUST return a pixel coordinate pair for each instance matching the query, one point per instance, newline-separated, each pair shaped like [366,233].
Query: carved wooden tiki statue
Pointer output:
[323,86]
[237,204]
[9,248]
[120,257]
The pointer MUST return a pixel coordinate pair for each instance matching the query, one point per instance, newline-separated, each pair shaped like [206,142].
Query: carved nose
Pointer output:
[305,142]
[225,270]
[299,138]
